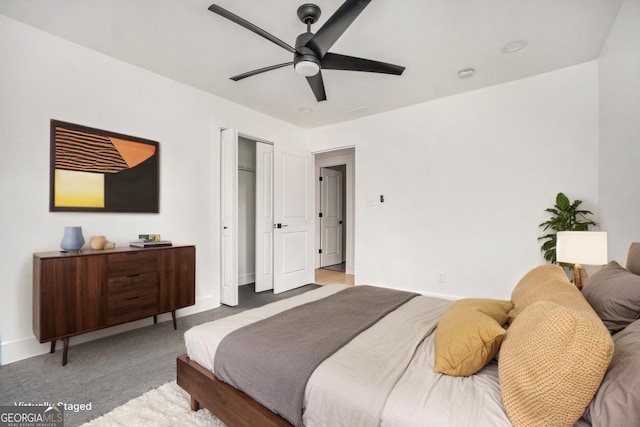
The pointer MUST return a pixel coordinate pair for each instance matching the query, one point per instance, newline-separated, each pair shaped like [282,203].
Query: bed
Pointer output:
[384,375]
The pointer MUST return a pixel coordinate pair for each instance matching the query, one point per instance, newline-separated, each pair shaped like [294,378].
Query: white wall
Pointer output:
[466,180]
[619,68]
[44,77]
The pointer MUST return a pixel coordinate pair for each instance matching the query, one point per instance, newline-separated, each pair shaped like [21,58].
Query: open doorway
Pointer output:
[335,194]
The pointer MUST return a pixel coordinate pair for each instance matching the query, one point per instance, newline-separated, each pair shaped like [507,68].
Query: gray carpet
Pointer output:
[111,371]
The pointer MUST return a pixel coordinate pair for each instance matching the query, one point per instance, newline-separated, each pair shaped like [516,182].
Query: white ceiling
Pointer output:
[433,39]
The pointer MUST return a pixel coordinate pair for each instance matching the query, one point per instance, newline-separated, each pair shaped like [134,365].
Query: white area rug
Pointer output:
[165,406]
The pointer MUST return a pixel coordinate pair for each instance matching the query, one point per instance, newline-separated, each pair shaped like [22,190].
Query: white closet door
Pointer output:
[264,216]
[331,220]
[229,216]
[294,218]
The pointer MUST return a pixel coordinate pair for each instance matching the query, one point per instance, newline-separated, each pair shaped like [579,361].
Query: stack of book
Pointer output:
[149,241]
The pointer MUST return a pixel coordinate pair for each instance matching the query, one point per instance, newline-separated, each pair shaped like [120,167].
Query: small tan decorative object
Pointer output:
[97,242]
[109,245]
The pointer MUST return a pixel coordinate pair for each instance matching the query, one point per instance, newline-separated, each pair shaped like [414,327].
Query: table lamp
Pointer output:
[579,248]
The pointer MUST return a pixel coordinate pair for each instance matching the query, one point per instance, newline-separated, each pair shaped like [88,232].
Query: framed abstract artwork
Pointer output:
[102,171]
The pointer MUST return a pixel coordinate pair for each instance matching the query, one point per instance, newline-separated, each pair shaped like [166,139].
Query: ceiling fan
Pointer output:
[311,53]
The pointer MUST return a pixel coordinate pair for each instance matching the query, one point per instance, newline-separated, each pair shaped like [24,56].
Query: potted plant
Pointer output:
[567,216]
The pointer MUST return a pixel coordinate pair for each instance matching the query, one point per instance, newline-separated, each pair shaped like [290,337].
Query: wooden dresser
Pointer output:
[74,293]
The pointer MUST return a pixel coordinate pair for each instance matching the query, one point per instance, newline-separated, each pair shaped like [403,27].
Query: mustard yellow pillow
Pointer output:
[469,335]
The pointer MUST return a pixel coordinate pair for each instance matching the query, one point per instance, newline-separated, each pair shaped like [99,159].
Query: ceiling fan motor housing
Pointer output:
[305,60]
[309,13]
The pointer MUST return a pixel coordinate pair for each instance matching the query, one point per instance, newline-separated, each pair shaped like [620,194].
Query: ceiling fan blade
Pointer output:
[331,31]
[334,61]
[260,70]
[317,86]
[249,26]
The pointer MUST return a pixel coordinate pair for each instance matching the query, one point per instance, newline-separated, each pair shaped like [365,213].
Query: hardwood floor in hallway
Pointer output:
[333,277]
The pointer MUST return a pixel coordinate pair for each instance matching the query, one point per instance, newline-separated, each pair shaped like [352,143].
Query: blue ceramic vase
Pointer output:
[72,240]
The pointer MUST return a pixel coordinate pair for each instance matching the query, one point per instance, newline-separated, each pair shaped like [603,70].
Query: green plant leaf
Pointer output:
[566,217]
[562,201]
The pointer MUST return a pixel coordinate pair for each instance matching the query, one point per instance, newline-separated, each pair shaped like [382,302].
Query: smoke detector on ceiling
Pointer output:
[466,73]
[514,46]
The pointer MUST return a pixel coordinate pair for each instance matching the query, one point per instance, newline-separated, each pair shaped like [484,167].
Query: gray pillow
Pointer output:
[614,293]
[617,402]
[633,258]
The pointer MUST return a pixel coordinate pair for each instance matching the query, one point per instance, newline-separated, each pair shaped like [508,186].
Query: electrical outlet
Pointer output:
[442,278]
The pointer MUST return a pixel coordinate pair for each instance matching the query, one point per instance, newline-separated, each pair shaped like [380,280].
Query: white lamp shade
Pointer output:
[582,247]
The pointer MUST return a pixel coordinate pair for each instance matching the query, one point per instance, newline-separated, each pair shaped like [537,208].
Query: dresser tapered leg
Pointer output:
[65,350]
[53,346]
[173,316]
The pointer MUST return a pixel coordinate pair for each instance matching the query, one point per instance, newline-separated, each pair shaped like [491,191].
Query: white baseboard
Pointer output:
[426,294]
[13,351]
[245,279]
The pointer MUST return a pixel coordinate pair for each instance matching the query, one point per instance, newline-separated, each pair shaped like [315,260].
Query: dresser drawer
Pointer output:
[133,284]
[127,307]
[129,263]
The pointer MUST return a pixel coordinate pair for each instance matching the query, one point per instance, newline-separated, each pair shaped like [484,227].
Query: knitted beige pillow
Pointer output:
[541,283]
[552,361]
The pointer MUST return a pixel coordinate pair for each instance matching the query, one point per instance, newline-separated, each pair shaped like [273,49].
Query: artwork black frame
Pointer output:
[94,170]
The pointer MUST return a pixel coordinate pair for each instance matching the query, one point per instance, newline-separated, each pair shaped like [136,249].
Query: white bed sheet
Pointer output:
[428,399]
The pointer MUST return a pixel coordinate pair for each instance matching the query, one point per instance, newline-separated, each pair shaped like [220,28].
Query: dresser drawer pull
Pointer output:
[134,275]
[132,298]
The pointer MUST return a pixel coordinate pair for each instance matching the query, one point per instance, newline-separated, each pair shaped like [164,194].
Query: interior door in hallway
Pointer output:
[331,216]
[293,214]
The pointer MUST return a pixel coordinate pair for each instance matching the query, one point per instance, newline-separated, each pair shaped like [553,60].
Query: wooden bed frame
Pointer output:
[232,406]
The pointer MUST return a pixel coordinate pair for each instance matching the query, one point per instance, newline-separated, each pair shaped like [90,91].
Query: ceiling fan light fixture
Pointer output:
[307,68]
